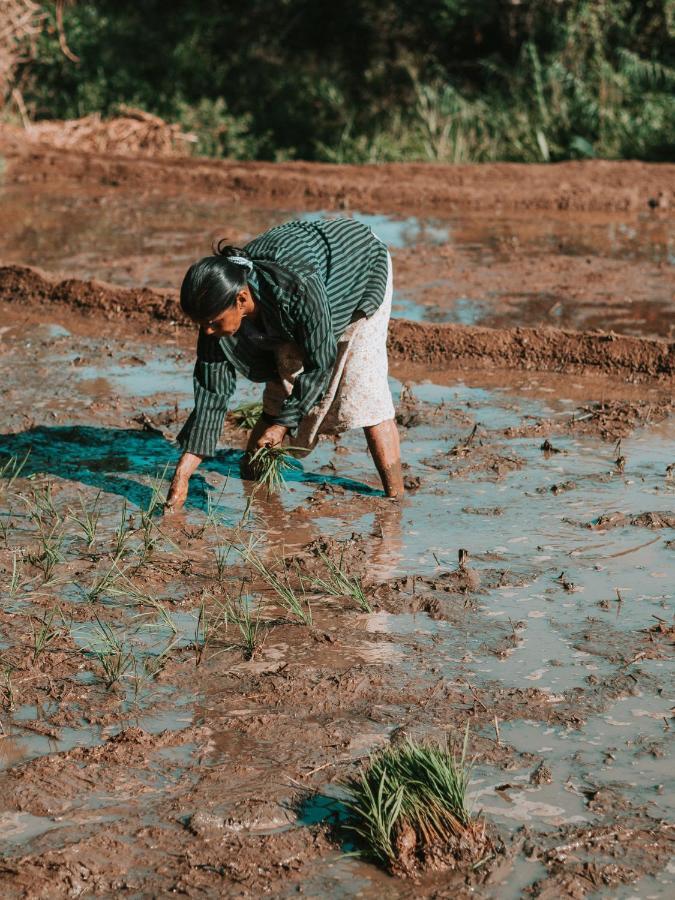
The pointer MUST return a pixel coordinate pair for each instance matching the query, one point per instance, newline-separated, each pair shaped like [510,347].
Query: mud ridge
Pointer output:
[592,186]
[436,345]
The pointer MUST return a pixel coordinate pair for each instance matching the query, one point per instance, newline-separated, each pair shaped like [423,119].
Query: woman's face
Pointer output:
[229,321]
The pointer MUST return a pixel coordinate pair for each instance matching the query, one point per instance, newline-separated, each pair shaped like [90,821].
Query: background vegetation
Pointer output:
[374,80]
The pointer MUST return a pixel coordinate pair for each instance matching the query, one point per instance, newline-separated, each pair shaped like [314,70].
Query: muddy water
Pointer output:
[584,272]
[558,657]
[565,614]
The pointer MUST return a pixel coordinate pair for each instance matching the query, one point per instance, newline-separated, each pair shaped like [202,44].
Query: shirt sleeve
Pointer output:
[214,381]
[314,335]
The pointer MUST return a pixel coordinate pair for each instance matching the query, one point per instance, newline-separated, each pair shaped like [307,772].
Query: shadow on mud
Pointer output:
[103,457]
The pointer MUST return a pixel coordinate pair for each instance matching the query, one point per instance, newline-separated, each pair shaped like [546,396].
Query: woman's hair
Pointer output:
[211,285]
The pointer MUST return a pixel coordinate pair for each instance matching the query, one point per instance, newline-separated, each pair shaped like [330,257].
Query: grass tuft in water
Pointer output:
[239,612]
[279,582]
[114,658]
[246,415]
[408,808]
[44,633]
[87,519]
[339,583]
[10,471]
[49,554]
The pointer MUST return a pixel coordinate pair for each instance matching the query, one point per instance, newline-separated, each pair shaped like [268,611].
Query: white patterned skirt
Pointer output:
[358,393]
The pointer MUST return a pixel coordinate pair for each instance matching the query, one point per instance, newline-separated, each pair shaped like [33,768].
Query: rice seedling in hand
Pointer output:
[87,519]
[268,465]
[408,808]
[340,584]
[246,415]
[298,607]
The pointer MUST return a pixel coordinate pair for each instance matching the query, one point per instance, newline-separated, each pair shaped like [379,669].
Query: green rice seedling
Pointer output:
[221,555]
[239,612]
[340,584]
[17,571]
[268,465]
[112,656]
[164,616]
[8,691]
[246,415]
[43,503]
[5,524]
[10,471]
[298,607]
[153,665]
[206,626]
[49,552]
[409,805]
[122,534]
[87,519]
[44,634]
[105,582]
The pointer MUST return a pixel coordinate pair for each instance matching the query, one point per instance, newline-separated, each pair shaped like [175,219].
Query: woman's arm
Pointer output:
[214,381]
[314,336]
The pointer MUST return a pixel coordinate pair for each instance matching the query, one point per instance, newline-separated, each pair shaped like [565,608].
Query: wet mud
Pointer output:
[168,724]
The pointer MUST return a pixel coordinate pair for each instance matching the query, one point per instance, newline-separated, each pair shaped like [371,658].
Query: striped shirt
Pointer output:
[340,272]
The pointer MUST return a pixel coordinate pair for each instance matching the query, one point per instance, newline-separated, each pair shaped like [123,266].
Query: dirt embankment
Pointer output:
[576,186]
[435,345]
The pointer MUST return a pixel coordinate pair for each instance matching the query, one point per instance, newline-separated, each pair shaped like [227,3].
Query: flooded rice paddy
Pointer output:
[158,700]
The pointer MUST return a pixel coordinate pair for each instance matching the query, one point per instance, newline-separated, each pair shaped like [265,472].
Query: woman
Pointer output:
[305,308]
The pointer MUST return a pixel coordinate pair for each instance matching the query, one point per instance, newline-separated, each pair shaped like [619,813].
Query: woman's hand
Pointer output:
[179,483]
[272,436]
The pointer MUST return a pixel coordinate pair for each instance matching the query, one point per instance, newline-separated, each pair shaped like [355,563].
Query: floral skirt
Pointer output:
[358,393]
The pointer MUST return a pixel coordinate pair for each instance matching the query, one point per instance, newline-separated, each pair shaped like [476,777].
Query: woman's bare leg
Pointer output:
[385,449]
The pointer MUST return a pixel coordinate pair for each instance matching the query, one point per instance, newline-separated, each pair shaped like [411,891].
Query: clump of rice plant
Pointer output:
[207,625]
[408,808]
[87,518]
[268,465]
[49,553]
[44,633]
[114,658]
[10,471]
[122,534]
[105,582]
[339,583]
[279,582]
[239,612]
[246,415]
[17,571]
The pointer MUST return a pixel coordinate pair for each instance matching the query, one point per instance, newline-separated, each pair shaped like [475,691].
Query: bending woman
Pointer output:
[305,308]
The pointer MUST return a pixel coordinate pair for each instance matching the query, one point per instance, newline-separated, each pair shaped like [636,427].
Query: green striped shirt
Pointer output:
[340,271]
